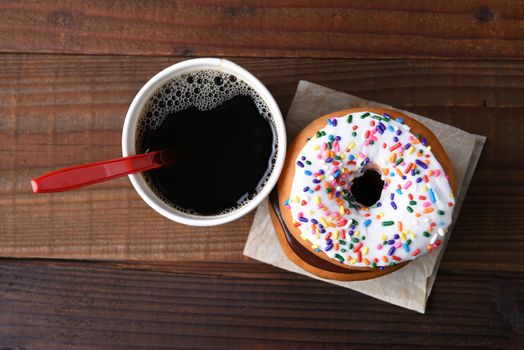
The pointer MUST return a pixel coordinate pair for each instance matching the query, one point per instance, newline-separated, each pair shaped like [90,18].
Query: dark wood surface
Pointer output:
[290,28]
[68,71]
[242,306]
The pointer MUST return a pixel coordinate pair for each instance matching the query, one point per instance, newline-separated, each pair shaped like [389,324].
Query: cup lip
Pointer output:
[129,133]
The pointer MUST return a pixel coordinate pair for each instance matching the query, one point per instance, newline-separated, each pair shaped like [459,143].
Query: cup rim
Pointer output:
[129,134]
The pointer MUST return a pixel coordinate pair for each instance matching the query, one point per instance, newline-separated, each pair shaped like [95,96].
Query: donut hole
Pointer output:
[367,188]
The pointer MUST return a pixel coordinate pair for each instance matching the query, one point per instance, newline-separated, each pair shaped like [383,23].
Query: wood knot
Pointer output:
[483,14]
[183,50]
[60,18]
[240,11]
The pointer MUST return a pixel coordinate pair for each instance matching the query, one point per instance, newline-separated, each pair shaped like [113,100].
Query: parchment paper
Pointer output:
[410,286]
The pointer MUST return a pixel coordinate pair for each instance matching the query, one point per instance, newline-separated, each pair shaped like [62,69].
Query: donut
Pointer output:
[363,189]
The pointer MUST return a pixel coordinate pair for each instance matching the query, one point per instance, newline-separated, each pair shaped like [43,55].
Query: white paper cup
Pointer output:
[130,128]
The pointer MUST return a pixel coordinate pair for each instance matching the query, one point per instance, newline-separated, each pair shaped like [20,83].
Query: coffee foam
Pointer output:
[204,90]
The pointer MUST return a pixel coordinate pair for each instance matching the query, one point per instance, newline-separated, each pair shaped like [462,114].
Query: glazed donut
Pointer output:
[367,188]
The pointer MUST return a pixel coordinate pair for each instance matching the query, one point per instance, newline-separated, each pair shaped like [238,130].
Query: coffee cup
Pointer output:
[227,129]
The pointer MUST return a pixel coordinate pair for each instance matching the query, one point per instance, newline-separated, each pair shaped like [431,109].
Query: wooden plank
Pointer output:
[51,305]
[290,28]
[62,110]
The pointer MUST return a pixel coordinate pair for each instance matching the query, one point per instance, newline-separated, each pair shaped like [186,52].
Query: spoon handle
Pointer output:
[77,176]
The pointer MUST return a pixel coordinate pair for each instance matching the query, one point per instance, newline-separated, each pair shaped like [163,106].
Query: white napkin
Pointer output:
[410,286]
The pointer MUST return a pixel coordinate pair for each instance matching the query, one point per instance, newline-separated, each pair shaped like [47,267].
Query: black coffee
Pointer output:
[224,135]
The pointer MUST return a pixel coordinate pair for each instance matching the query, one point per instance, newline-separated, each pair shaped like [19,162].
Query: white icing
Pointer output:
[418,231]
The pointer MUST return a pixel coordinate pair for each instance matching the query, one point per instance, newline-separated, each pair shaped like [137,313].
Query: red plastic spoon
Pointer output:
[77,176]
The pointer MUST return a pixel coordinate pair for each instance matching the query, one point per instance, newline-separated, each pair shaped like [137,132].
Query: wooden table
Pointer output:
[68,71]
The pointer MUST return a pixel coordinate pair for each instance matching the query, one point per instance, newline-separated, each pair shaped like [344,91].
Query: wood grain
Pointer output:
[289,28]
[62,110]
[52,305]
[68,71]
